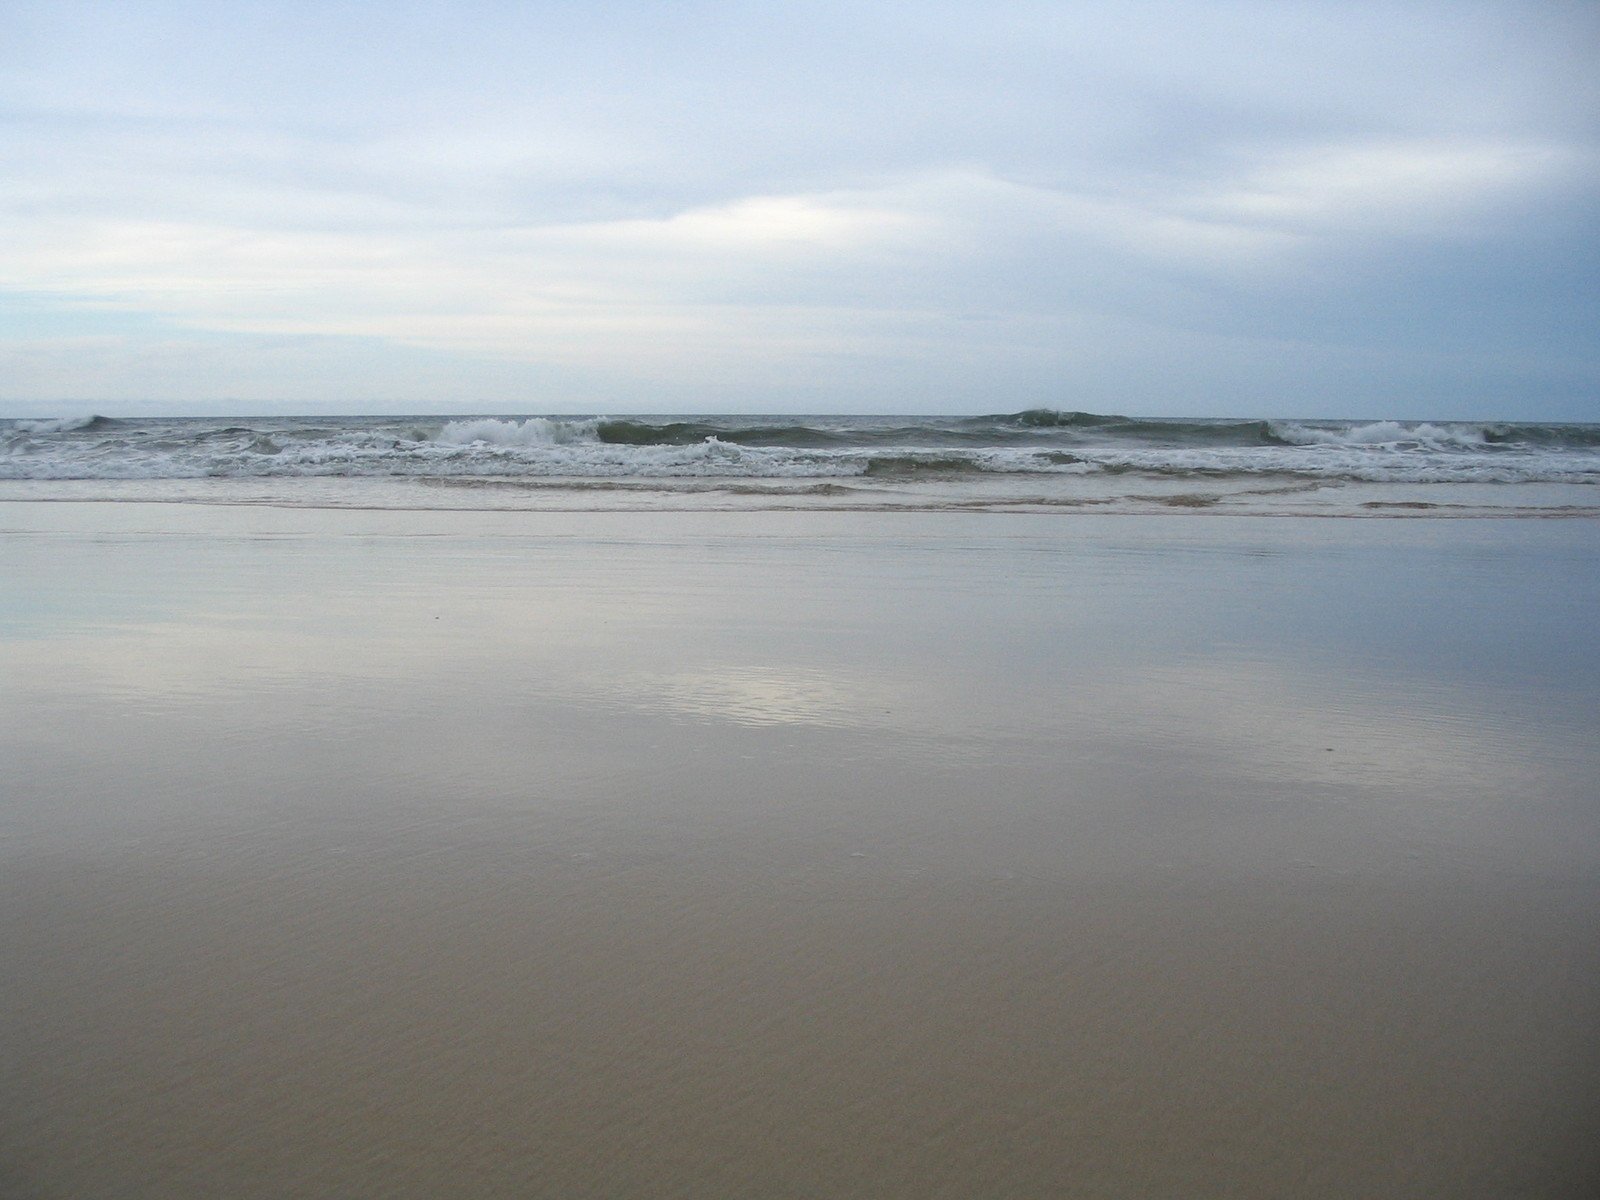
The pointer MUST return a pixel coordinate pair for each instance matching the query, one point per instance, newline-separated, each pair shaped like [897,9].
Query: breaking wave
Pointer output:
[535,431]
[61,424]
[1034,441]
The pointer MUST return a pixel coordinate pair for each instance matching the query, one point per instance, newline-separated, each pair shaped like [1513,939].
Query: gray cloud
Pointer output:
[1363,209]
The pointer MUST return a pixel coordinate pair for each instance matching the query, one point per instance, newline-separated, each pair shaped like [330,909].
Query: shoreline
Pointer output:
[1066,497]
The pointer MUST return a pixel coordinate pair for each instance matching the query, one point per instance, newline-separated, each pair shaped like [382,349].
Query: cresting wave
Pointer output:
[1033,442]
[62,424]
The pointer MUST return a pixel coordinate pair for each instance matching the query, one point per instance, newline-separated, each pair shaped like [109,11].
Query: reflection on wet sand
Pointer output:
[836,856]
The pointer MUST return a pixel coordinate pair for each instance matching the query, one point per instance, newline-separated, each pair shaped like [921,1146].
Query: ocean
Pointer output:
[1039,459]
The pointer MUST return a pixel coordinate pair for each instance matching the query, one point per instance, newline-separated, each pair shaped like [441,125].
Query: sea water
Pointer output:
[1038,459]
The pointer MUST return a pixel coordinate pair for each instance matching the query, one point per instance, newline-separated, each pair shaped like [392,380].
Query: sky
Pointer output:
[1357,209]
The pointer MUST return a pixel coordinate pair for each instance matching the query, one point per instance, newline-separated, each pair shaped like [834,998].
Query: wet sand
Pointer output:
[509,854]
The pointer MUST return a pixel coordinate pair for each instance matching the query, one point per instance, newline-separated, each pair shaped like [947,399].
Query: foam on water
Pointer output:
[535,431]
[948,450]
[60,424]
[1391,434]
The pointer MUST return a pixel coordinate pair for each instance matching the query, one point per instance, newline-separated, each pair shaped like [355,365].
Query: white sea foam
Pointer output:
[1395,434]
[56,424]
[939,451]
[535,431]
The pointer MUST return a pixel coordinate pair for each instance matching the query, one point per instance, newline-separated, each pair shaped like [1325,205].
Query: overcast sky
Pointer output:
[1192,207]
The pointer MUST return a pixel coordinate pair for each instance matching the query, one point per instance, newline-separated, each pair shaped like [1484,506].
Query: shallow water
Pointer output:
[487,853]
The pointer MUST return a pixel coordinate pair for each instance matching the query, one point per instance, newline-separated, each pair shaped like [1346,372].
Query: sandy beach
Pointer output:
[807,601]
[480,854]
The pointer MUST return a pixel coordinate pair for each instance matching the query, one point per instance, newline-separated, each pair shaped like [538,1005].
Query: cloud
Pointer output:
[724,196]
[1406,187]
